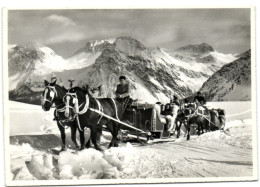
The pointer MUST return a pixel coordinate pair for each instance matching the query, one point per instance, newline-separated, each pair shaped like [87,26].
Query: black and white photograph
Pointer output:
[133,95]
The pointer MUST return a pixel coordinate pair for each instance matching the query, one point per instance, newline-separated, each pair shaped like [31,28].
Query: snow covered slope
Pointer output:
[232,82]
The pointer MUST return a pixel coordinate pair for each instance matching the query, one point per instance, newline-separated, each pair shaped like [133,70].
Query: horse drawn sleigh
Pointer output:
[78,109]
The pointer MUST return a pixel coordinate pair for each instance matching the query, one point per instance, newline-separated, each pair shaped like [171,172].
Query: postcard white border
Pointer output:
[10,182]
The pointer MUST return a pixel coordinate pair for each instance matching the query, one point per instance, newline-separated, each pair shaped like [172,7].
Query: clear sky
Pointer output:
[65,31]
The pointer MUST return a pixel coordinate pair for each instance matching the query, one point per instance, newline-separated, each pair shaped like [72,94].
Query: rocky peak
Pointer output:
[98,45]
[198,48]
[129,45]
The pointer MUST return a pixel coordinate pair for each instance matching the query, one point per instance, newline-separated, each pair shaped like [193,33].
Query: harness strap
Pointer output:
[115,108]
[77,117]
[206,118]
[117,120]
[84,110]
[100,108]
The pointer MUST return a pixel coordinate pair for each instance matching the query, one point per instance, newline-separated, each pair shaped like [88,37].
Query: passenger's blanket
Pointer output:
[158,113]
[127,101]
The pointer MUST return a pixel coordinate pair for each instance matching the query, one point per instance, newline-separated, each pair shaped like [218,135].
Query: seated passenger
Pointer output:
[186,103]
[175,105]
[158,112]
[200,102]
[171,111]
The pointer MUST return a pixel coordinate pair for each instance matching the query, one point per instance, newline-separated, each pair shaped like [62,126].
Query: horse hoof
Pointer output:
[63,149]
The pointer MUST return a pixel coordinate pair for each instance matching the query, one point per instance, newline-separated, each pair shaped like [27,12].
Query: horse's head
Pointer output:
[213,114]
[48,95]
[71,100]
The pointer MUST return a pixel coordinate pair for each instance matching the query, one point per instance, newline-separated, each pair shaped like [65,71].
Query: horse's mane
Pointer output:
[80,89]
[77,88]
[61,88]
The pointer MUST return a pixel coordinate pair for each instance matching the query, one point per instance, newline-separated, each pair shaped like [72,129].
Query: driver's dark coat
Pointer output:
[200,99]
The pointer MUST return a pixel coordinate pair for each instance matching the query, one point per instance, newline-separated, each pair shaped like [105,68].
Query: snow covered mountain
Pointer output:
[87,55]
[25,62]
[203,58]
[232,82]
[153,73]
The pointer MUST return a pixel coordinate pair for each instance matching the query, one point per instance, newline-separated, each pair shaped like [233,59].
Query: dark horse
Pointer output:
[217,118]
[214,120]
[53,94]
[181,119]
[86,110]
[202,121]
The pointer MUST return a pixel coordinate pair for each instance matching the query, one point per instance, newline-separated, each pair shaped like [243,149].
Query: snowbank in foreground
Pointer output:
[30,164]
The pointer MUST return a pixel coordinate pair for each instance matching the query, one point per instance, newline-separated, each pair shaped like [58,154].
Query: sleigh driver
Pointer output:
[123,92]
[200,102]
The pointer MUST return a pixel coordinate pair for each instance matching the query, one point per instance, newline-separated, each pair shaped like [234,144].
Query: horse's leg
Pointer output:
[63,137]
[96,133]
[188,130]
[199,128]
[178,128]
[88,144]
[202,127]
[114,131]
[82,139]
[73,129]
[185,123]
[208,125]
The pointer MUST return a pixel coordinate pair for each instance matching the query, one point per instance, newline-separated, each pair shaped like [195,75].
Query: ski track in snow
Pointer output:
[213,154]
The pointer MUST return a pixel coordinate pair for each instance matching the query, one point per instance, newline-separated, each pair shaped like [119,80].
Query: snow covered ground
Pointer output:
[34,143]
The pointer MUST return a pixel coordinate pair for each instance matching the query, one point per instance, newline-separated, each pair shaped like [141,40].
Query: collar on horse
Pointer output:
[77,107]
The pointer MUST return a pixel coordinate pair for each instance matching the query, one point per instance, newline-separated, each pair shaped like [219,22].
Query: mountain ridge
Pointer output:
[231,82]
[153,74]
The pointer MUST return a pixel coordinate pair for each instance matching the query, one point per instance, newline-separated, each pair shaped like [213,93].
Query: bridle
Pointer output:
[53,93]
